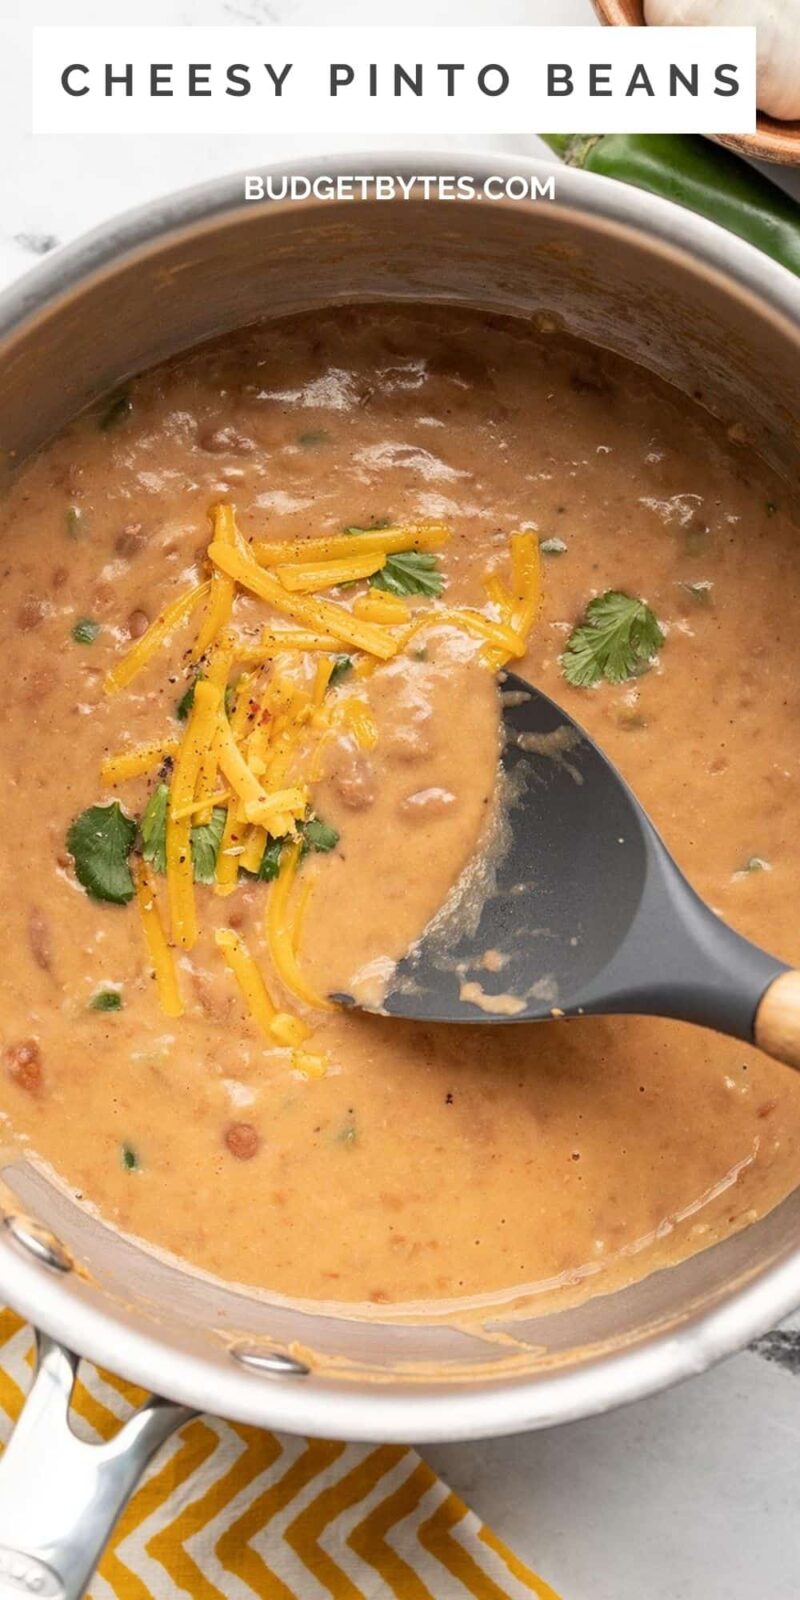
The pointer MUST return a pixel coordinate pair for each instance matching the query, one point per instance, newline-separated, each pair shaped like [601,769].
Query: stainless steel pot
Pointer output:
[624,270]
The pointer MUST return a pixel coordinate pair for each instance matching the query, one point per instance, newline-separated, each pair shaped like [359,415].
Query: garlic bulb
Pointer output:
[778,34]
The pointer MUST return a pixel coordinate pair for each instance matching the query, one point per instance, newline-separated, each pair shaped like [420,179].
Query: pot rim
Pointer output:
[59,1302]
[692,237]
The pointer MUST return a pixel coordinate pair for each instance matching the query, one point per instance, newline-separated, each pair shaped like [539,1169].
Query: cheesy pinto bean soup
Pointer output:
[251,618]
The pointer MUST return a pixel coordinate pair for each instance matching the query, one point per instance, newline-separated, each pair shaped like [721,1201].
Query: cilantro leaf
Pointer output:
[341,666]
[100,841]
[205,845]
[270,861]
[315,835]
[205,838]
[153,828]
[85,630]
[410,572]
[186,702]
[378,526]
[106,1000]
[319,835]
[617,636]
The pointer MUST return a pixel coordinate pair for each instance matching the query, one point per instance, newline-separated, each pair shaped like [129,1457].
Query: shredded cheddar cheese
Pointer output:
[134,763]
[304,577]
[259,760]
[519,604]
[359,719]
[140,653]
[322,678]
[220,600]
[311,1066]
[472,622]
[217,670]
[246,972]
[271,811]
[274,642]
[280,810]
[253,852]
[498,593]
[322,616]
[388,541]
[242,709]
[234,834]
[243,782]
[301,906]
[525,567]
[316,766]
[231,849]
[280,932]
[155,938]
[288,1030]
[220,798]
[379,606]
[180,875]
[220,660]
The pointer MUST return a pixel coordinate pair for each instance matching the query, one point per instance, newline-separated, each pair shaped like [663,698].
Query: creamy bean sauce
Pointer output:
[423,1163]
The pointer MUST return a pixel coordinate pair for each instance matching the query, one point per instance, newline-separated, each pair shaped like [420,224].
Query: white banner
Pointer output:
[393,80]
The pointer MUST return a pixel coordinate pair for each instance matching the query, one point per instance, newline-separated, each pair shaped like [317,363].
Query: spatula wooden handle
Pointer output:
[777,1029]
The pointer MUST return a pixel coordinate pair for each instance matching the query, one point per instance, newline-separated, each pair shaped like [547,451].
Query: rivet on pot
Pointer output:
[272,1362]
[39,1242]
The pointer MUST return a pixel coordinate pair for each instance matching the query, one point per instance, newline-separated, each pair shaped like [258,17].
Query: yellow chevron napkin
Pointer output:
[227,1512]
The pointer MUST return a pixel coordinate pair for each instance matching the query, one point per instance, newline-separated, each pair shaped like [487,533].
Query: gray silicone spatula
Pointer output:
[588,912]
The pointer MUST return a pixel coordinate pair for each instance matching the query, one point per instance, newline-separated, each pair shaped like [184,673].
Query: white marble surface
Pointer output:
[690,1496]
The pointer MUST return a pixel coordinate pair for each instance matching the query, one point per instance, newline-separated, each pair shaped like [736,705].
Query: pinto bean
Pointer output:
[104,598]
[424,803]
[131,540]
[242,1140]
[353,778]
[31,613]
[138,623]
[225,441]
[38,685]
[60,576]
[214,997]
[24,1063]
[39,940]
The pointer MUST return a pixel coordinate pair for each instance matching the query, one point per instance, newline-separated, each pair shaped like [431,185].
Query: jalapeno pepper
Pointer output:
[694,173]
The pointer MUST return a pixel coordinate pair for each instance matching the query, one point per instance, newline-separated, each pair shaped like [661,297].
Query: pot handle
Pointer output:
[59,1496]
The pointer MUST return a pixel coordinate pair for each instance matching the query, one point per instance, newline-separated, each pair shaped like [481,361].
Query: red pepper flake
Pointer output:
[242,1139]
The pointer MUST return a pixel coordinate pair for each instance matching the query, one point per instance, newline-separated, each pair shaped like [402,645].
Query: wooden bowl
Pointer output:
[772,141]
